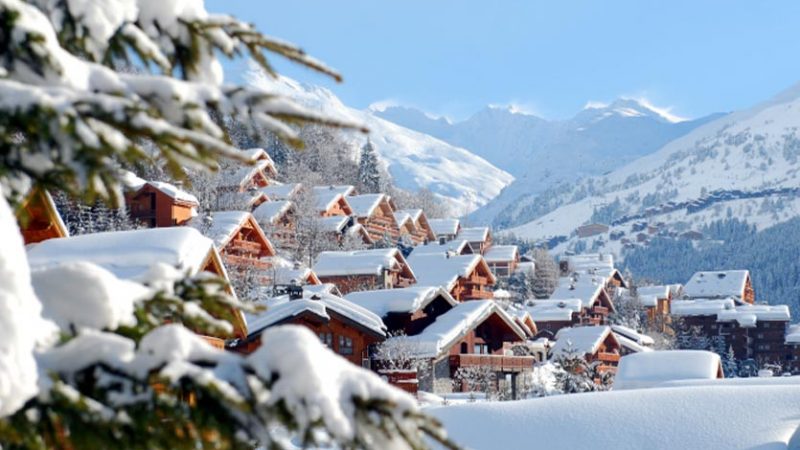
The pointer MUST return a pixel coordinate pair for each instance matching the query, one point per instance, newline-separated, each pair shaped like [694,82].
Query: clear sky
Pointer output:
[453,57]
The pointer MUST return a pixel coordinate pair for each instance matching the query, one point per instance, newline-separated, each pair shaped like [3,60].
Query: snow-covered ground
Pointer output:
[414,160]
[760,414]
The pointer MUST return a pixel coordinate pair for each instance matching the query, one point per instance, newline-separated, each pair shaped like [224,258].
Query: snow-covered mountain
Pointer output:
[744,165]
[413,159]
[541,153]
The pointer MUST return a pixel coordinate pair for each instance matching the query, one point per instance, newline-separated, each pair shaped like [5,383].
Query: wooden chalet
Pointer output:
[156,204]
[452,248]
[656,300]
[365,269]
[465,277]
[754,332]
[374,212]
[279,222]
[283,272]
[734,284]
[471,334]
[242,177]
[551,316]
[632,341]
[343,227]
[331,202]
[406,310]
[39,219]
[131,255]
[592,229]
[445,229]
[479,238]
[595,265]
[279,191]
[503,260]
[594,343]
[348,329]
[414,223]
[591,290]
[239,238]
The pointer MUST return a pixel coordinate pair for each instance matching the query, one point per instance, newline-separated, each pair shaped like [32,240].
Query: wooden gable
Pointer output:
[338,208]
[424,231]
[381,222]
[38,218]
[247,245]
[153,208]
[213,264]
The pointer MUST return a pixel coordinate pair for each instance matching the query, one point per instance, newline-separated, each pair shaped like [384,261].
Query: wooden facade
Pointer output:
[337,207]
[388,279]
[477,285]
[246,247]
[381,223]
[154,208]
[38,218]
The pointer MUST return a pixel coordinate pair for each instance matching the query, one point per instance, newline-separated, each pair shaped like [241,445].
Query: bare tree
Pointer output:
[546,274]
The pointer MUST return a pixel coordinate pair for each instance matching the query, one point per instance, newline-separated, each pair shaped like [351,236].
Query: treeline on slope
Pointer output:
[770,255]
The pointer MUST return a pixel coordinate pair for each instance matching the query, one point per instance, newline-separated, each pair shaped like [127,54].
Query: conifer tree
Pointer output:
[369,174]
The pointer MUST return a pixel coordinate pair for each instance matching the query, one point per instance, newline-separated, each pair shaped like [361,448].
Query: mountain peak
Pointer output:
[626,107]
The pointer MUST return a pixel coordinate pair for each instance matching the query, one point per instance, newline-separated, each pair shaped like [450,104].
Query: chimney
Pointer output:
[295,290]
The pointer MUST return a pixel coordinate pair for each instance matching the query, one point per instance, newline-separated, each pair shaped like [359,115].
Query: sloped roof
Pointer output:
[402,217]
[128,254]
[474,234]
[718,284]
[359,262]
[747,315]
[225,224]
[173,192]
[553,310]
[501,253]
[456,246]
[453,325]
[345,189]
[270,212]
[277,191]
[587,288]
[283,271]
[413,214]
[630,333]
[590,261]
[440,270]
[404,300]
[365,205]
[701,307]
[444,226]
[581,340]
[334,223]
[650,295]
[320,304]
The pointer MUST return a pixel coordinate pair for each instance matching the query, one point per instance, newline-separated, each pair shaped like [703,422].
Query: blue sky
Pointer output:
[547,57]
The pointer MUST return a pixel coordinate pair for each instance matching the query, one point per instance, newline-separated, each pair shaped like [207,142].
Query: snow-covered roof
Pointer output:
[365,205]
[747,315]
[283,271]
[240,174]
[345,189]
[701,307]
[128,254]
[242,200]
[281,309]
[793,334]
[554,310]
[359,262]
[642,370]
[405,300]
[501,253]
[660,292]
[270,212]
[456,246]
[719,284]
[585,287]
[131,181]
[440,270]
[631,345]
[630,333]
[474,234]
[442,227]
[580,340]
[223,225]
[334,223]
[325,200]
[413,214]
[277,191]
[172,191]
[589,262]
[451,326]
[402,217]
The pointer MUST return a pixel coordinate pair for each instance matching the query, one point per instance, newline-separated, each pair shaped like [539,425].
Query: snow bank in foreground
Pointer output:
[763,416]
[21,325]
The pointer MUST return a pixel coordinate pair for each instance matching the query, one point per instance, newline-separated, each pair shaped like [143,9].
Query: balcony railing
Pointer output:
[500,363]
[244,261]
[601,310]
[245,246]
[608,357]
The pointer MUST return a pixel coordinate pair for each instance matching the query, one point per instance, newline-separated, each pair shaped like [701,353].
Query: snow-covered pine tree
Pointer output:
[546,271]
[114,372]
[730,366]
[369,172]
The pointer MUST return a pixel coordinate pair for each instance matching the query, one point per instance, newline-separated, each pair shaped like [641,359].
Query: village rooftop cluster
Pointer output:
[423,285]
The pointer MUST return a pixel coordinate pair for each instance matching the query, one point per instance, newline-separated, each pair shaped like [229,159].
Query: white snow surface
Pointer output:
[223,227]
[21,324]
[440,270]
[501,253]
[644,370]
[357,262]
[581,340]
[455,246]
[174,191]
[414,160]
[444,226]
[85,295]
[559,310]
[364,205]
[404,300]
[719,284]
[127,254]
[270,212]
[277,191]
[713,417]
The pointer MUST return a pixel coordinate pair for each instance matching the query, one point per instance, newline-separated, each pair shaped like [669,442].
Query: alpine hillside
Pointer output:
[542,154]
[414,160]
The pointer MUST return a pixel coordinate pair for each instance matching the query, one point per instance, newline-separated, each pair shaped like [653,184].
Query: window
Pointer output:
[327,339]
[481,349]
[345,345]
[464,347]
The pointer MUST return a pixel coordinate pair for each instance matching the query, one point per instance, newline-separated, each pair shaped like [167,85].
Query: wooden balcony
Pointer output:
[473,294]
[499,363]
[242,246]
[600,310]
[473,280]
[608,357]
[244,261]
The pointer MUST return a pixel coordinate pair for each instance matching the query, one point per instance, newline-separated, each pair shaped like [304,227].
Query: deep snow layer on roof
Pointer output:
[365,205]
[554,310]
[455,246]
[632,334]
[501,253]
[713,417]
[442,227]
[642,370]
[174,191]
[281,191]
[590,262]
[127,254]
[405,300]
[280,309]
[357,262]
[580,340]
[474,234]
[439,270]
[728,283]
[222,226]
[586,288]
[270,212]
